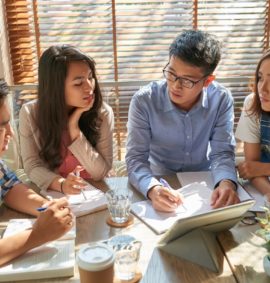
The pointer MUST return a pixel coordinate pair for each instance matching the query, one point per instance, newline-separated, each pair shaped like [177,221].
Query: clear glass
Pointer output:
[118,202]
[126,260]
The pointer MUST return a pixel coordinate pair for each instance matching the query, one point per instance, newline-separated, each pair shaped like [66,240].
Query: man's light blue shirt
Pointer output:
[162,139]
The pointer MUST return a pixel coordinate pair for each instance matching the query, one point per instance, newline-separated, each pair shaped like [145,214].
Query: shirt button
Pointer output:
[187,137]
[187,153]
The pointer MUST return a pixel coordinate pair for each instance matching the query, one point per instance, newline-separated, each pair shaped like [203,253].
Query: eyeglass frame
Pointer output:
[181,78]
[250,219]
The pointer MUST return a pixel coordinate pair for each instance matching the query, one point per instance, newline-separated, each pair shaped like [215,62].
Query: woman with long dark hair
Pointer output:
[254,129]
[69,128]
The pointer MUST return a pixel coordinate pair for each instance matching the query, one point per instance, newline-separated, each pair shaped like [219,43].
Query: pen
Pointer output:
[41,208]
[167,185]
[77,174]
[44,207]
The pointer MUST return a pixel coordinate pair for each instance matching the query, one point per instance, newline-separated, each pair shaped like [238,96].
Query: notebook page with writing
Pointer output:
[196,201]
[95,200]
[186,178]
[54,259]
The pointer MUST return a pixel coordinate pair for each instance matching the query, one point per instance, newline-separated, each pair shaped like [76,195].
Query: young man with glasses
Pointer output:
[183,123]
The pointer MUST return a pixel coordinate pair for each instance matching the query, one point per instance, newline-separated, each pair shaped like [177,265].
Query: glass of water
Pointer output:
[127,254]
[118,202]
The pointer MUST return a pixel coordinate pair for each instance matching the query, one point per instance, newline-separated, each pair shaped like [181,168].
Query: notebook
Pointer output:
[51,260]
[91,200]
[196,202]
[245,193]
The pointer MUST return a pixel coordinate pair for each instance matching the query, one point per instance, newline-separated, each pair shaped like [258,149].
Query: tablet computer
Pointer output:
[215,220]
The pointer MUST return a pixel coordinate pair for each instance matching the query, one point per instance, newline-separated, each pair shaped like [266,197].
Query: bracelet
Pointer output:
[62,186]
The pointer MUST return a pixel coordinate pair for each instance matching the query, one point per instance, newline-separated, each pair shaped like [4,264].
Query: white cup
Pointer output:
[96,263]
[118,202]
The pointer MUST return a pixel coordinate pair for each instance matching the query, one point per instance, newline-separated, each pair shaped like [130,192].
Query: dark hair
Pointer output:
[52,117]
[3,91]
[197,48]
[256,107]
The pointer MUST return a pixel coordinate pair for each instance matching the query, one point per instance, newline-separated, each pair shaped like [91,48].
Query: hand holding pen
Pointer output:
[73,184]
[54,221]
[77,174]
[164,198]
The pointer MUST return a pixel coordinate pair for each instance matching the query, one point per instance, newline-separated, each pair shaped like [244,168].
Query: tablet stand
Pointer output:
[198,246]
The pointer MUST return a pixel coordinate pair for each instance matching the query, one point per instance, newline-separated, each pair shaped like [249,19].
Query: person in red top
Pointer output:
[69,128]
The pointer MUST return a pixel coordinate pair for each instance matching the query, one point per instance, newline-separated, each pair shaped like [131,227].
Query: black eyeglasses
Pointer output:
[250,218]
[183,81]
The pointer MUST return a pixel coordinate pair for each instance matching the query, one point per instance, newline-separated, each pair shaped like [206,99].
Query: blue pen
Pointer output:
[41,208]
[165,183]
[49,198]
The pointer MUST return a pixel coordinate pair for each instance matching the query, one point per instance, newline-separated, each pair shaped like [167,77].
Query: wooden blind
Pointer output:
[20,28]
[129,40]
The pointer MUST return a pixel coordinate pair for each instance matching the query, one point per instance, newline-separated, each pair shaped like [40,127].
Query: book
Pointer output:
[197,196]
[51,260]
[18,225]
[89,201]
[244,192]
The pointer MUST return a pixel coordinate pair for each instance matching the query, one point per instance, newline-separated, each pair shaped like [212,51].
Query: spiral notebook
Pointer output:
[89,201]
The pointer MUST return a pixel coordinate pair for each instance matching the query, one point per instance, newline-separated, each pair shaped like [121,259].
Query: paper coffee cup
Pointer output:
[95,263]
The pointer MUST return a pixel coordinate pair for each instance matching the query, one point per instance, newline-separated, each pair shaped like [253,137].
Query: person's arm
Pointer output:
[34,167]
[140,174]
[51,224]
[254,170]
[24,199]
[222,155]
[248,131]
[138,148]
[96,161]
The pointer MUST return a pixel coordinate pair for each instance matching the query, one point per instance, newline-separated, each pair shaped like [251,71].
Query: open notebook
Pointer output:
[197,197]
[248,191]
[91,200]
[54,259]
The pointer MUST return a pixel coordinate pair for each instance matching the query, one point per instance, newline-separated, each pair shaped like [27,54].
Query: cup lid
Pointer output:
[95,257]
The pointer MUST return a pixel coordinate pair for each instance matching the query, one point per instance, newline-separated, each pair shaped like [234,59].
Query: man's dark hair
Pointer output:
[3,91]
[197,48]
